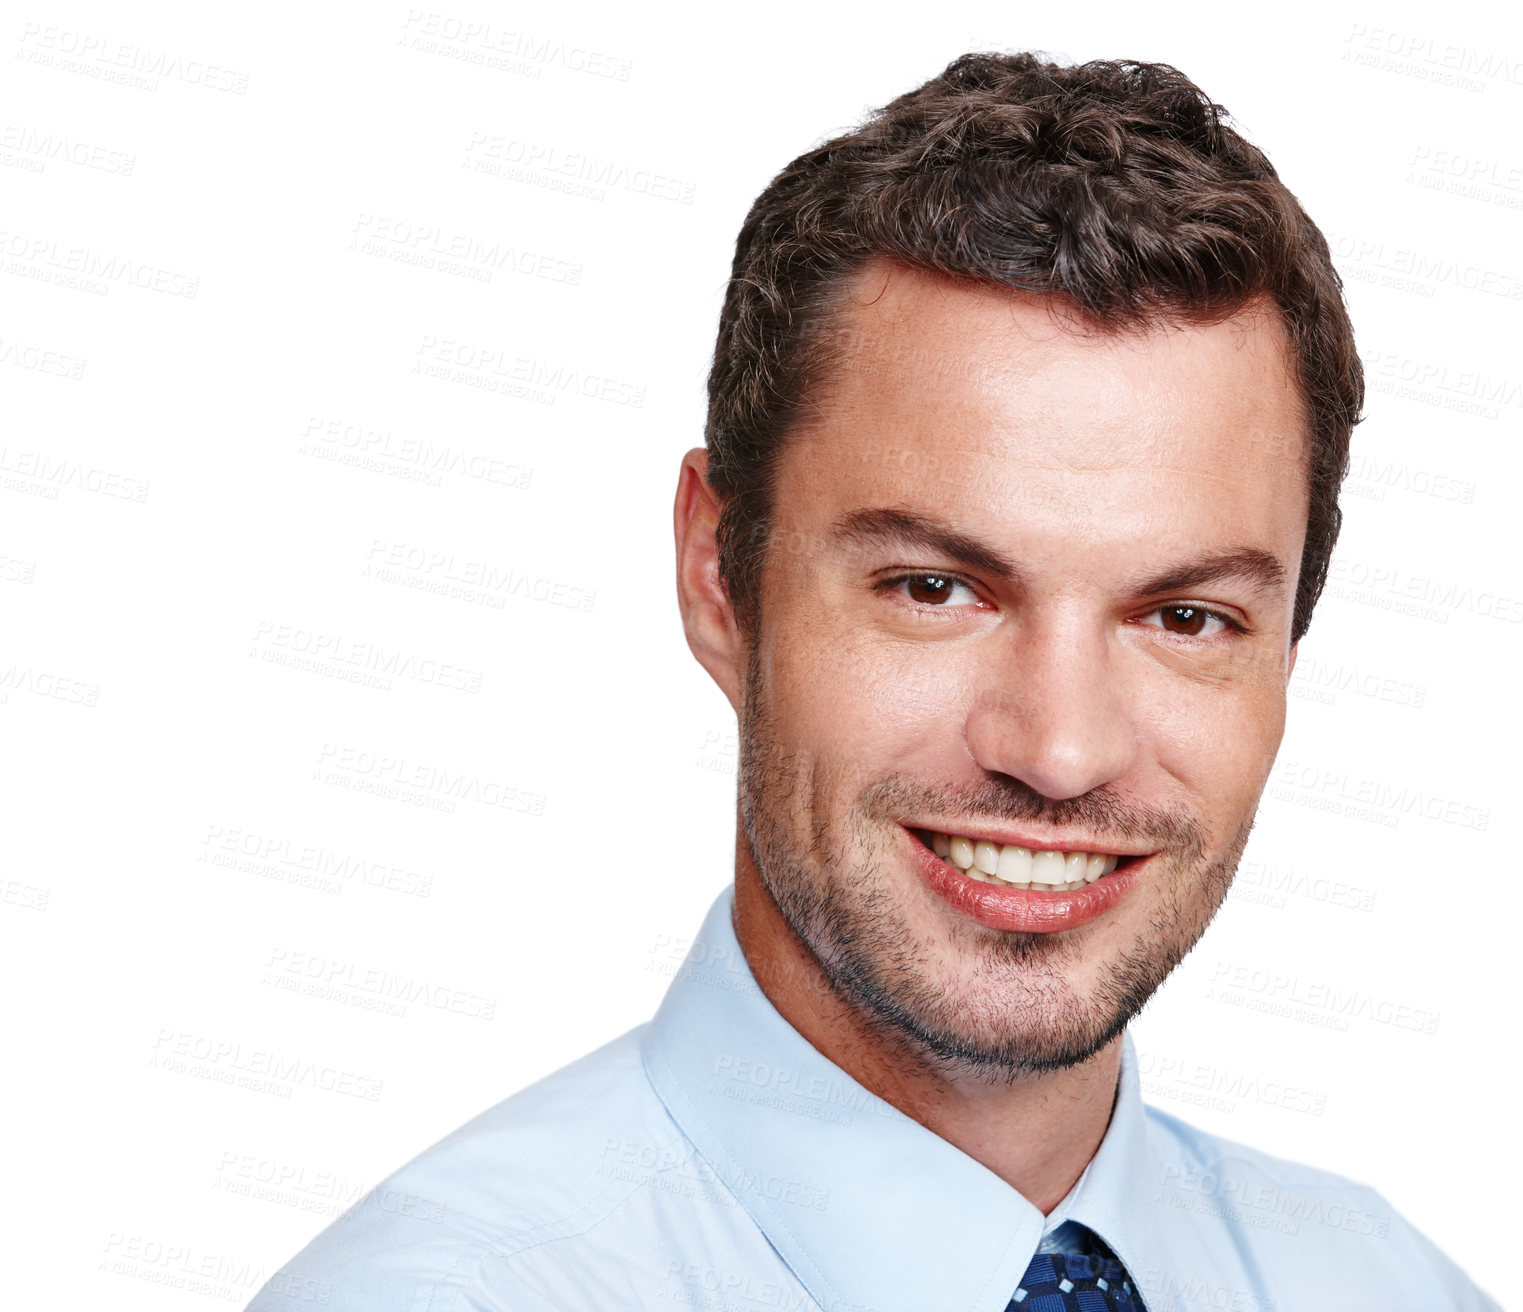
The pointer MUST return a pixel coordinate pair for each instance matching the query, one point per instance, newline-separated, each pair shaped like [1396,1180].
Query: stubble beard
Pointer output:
[1014,1012]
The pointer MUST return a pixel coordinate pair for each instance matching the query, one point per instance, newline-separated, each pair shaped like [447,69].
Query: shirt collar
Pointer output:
[871,1211]
[1117,1197]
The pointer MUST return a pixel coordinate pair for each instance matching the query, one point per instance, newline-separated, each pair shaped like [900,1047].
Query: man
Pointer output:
[1028,413]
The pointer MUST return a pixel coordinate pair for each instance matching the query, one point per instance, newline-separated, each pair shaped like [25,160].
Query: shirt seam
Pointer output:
[580,1220]
[583,1216]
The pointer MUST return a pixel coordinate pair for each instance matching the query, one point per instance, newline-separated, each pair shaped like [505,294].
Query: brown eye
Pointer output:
[1188,620]
[932,591]
[929,589]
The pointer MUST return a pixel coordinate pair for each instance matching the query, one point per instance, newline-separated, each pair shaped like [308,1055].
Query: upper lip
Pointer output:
[992,834]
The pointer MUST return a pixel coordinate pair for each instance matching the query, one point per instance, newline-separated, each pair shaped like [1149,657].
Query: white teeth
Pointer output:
[1048,868]
[1015,865]
[1019,867]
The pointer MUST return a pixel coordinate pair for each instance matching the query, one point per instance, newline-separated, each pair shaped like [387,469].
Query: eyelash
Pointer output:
[1233,627]
[920,607]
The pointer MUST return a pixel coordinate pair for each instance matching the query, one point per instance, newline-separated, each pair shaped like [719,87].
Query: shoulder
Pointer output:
[1211,1176]
[550,1162]
[1214,1164]
[1312,1228]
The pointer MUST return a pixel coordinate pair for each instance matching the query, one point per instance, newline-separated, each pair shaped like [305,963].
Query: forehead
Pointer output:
[947,392]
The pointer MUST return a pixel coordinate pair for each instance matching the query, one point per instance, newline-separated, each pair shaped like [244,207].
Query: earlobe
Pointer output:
[707,617]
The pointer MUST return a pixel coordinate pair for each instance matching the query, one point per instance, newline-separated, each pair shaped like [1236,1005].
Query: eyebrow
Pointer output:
[1251,565]
[896,526]
[892,526]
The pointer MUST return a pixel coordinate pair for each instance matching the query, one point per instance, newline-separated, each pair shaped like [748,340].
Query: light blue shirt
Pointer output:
[712,1158]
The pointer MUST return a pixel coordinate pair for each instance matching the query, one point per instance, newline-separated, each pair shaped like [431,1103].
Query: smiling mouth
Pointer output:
[1010,866]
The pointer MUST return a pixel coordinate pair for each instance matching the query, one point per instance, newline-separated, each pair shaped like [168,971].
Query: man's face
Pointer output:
[1063,692]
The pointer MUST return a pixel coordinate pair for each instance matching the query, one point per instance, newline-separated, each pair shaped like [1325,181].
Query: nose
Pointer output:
[1055,713]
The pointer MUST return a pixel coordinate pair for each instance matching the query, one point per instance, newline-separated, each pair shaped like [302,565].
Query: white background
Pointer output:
[181,519]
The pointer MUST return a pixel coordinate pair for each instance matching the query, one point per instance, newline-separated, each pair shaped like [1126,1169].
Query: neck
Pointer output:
[1037,1134]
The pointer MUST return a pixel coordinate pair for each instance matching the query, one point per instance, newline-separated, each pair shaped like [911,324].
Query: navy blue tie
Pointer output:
[1087,1281]
[1070,1282]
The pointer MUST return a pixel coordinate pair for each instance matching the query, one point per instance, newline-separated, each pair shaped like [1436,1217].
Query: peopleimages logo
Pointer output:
[1430,58]
[37,359]
[309,865]
[496,369]
[546,163]
[1406,269]
[1470,384]
[1314,1002]
[115,61]
[225,1061]
[48,260]
[1320,680]
[305,648]
[1399,585]
[35,150]
[1377,794]
[466,253]
[389,776]
[487,44]
[1185,1079]
[439,571]
[52,473]
[347,981]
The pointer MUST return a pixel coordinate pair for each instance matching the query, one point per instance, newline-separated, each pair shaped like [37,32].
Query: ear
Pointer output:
[707,617]
[1290,669]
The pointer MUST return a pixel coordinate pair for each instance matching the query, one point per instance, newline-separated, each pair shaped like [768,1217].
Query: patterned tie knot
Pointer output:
[1073,1282]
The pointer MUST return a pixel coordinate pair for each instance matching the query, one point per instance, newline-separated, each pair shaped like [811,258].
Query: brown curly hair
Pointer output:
[1114,184]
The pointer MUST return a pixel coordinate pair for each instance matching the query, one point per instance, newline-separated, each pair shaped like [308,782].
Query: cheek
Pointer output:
[823,691]
[867,705]
[1218,740]
[916,696]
